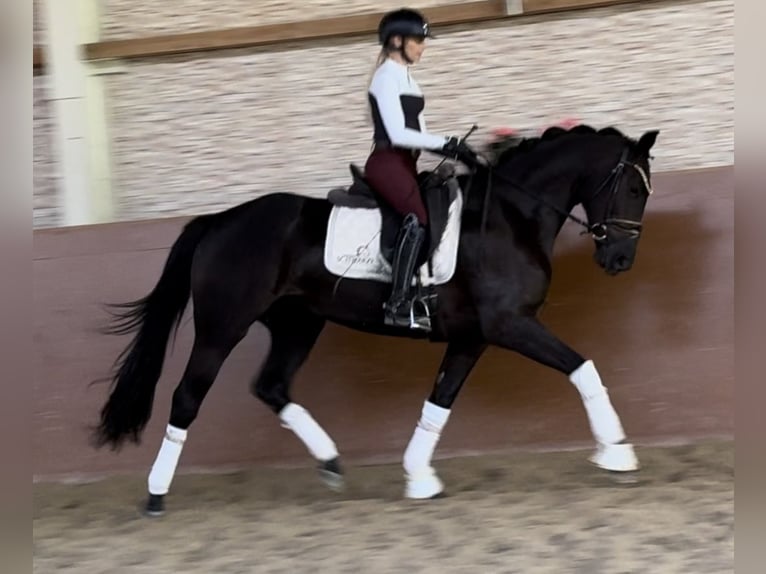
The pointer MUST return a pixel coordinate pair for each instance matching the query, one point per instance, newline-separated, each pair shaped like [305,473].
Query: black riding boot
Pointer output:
[401,310]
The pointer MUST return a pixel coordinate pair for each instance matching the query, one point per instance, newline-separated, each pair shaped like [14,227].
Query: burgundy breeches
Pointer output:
[393,174]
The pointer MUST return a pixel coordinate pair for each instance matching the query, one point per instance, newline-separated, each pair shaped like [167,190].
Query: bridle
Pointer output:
[627,227]
[598,231]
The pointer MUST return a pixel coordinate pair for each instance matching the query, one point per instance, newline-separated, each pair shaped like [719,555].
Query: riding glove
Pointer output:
[456,148]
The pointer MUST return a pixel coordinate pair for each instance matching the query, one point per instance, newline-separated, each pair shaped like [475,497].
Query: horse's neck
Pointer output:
[547,195]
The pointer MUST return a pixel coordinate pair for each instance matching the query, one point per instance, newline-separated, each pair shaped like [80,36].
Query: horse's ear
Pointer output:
[647,141]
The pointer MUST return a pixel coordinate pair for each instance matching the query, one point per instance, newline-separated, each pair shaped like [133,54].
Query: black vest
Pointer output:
[411,106]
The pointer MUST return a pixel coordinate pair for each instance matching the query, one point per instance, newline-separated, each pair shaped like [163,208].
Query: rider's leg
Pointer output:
[393,174]
[408,245]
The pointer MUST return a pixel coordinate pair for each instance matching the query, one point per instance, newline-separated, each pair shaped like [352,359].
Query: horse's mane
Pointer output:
[526,145]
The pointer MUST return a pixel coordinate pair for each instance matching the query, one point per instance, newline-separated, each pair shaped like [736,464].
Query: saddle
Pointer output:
[358,194]
[438,189]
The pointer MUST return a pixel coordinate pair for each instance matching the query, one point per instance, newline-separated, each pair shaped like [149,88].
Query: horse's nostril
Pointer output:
[622,262]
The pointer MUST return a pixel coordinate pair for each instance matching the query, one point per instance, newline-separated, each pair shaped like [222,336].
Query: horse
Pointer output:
[262,261]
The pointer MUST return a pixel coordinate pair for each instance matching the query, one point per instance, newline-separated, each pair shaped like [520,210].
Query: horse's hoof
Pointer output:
[155,505]
[615,457]
[332,475]
[624,478]
[424,487]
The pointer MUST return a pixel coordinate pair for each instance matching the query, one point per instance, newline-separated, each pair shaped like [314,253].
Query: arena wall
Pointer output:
[200,132]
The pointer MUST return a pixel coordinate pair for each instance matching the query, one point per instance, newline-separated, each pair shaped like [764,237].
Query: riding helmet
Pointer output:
[403,22]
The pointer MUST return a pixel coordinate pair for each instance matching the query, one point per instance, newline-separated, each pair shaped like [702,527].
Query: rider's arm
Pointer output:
[384,88]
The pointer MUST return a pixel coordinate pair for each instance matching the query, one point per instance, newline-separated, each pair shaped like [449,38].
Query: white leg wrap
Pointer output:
[298,419]
[615,457]
[165,464]
[422,481]
[604,422]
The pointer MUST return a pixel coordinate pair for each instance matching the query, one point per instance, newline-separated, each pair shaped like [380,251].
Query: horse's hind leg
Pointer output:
[209,351]
[458,361]
[529,337]
[294,330]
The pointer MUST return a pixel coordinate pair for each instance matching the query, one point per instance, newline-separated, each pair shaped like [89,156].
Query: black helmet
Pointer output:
[403,22]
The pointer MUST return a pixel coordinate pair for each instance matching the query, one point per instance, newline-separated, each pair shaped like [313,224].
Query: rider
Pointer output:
[396,104]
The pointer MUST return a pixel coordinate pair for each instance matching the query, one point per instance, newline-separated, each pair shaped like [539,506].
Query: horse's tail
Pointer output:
[138,367]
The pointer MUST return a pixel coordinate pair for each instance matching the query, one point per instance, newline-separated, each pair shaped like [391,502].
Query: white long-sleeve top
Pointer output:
[397,103]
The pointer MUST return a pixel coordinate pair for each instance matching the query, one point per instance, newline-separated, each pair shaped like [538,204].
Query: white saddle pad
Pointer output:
[352,246]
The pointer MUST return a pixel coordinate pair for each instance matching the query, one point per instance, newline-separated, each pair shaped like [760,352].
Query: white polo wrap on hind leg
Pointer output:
[417,457]
[604,422]
[300,421]
[165,464]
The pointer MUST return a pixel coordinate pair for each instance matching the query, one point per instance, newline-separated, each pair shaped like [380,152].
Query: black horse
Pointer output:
[263,261]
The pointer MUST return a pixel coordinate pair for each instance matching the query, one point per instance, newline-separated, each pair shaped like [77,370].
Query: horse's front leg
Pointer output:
[459,359]
[528,336]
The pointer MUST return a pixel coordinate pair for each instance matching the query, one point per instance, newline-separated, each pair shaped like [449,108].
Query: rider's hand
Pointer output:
[456,148]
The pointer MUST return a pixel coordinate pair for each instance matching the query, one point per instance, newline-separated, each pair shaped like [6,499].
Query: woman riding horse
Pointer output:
[396,105]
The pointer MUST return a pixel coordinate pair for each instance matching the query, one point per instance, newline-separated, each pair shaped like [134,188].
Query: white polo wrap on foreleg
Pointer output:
[300,421]
[604,422]
[165,464]
[417,457]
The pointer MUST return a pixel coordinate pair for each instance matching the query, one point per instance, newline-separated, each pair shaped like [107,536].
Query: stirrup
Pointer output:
[424,321]
[394,317]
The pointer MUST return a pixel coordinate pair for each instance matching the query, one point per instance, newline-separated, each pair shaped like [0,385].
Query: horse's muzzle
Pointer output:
[616,257]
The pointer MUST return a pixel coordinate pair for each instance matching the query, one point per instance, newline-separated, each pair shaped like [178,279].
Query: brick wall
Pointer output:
[193,134]
[131,18]
[46,212]
[46,209]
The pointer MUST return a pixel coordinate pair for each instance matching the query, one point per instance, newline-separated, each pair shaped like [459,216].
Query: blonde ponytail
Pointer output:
[382,57]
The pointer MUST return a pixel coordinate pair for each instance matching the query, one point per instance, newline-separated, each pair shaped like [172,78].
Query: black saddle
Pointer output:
[358,194]
[438,190]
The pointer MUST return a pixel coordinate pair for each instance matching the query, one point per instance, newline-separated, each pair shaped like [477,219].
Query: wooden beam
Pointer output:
[279,33]
[359,24]
[38,57]
[543,6]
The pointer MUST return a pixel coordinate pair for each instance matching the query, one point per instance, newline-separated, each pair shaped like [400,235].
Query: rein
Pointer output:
[597,230]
